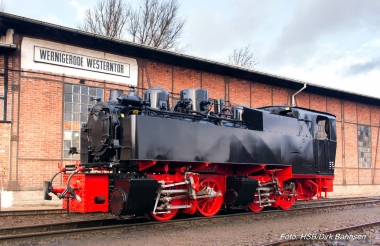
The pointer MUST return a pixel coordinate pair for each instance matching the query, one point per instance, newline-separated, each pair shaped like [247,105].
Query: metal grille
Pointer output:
[364,146]
[76,104]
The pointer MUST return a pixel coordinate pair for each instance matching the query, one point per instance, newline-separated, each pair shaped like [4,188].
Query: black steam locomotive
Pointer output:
[139,156]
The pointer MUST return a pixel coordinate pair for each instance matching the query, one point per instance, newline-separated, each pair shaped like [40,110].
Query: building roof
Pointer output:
[52,32]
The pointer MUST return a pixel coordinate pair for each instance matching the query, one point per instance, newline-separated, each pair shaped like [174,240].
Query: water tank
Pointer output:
[158,98]
[237,112]
[199,99]
[114,94]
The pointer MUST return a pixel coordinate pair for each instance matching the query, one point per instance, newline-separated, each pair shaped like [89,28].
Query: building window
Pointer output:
[364,146]
[77,100]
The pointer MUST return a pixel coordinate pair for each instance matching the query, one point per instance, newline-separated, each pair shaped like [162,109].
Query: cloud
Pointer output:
[363,67]
[81,10]
[373,43]
[315,22]
[51,18]
[215,29]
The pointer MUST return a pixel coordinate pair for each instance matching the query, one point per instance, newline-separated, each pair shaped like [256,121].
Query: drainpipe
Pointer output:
[293,103]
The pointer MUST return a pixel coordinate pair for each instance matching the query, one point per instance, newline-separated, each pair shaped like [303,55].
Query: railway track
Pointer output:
[68,228]
[301,204]
[36,212]
[41,213]
[48,212]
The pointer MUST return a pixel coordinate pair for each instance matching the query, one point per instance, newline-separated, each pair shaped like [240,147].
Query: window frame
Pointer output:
[75,104]
[325,134]
[364,143]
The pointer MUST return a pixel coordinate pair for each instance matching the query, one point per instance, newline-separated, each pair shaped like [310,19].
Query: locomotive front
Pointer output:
[139,156]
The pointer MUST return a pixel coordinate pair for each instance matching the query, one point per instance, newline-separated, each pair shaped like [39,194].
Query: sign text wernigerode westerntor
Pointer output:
[67,59]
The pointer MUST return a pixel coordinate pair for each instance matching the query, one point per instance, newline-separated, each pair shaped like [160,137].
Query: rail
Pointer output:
[78,227]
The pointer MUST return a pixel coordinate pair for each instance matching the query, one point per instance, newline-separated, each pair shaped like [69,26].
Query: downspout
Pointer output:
[293,103]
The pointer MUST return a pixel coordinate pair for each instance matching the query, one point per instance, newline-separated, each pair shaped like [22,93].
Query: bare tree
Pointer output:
[3,6]
[157,24]
[107,18]
[242,57]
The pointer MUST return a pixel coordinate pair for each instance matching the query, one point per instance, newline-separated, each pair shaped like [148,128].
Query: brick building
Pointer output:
[48,74]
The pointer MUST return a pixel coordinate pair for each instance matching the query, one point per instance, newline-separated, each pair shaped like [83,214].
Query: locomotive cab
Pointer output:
[325,144]
[321,128]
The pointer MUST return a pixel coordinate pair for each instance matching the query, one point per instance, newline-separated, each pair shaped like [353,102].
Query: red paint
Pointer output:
[91,188]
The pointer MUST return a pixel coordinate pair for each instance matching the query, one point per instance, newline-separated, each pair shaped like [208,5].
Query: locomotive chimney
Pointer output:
[114,94]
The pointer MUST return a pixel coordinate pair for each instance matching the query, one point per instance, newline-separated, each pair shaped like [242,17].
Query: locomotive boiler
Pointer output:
[140,156]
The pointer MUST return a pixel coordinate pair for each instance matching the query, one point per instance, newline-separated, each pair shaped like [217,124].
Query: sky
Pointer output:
[328,43]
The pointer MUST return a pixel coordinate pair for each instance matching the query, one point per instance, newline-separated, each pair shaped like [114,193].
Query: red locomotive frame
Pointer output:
[278,187]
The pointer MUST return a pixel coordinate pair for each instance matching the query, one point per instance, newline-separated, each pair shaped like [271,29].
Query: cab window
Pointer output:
[323,129]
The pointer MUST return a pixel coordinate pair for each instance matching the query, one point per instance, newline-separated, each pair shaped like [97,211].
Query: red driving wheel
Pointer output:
[166,217]
[209,206]
[286,201]
[255,205]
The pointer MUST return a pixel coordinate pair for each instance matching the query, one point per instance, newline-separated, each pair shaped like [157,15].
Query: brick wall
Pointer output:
[4,151]
[261,95]
[239,92]
[215,84]
[5,127]
[41,119]
[33,140]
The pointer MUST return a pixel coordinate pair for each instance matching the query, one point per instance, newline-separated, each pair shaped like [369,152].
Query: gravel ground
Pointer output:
[236,232]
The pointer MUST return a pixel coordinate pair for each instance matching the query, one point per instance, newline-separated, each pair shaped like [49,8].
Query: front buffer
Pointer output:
[98,192]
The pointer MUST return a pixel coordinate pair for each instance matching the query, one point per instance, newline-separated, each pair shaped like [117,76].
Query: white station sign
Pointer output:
[72,61]
[79,61]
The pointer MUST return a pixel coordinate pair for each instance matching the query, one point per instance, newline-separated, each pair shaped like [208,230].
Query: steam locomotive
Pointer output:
[140,156]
